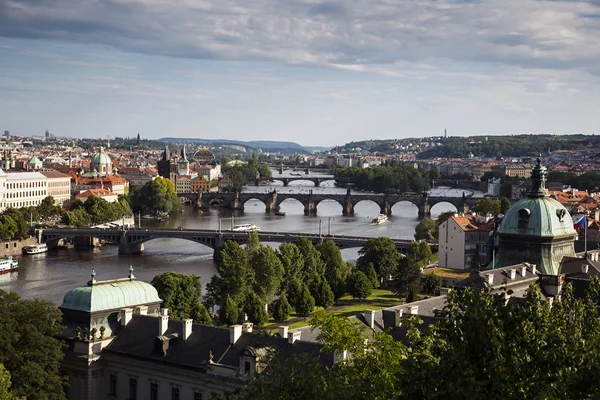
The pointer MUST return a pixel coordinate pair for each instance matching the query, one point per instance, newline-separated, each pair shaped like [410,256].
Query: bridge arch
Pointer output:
[254,204]
[404,208]
[291,205]
[301,182]
[368,207]
[328,212]
[442,207]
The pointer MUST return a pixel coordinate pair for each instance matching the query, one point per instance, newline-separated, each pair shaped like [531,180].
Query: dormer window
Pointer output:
[524,215]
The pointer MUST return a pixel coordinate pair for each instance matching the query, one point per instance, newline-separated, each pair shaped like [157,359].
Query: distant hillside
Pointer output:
[257,144]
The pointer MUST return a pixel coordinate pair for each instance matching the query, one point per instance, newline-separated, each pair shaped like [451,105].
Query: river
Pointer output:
[51,275]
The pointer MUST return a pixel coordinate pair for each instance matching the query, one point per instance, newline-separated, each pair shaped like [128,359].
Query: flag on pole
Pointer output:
[581,223]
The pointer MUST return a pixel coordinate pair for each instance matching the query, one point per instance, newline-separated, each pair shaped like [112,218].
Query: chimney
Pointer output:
[370,318]
[187,328]
[247,327]
[414,310]
[283,332]
[142,310]
[126,315]
[398,316]
[513,274]
[523,271]
[163,324]
[293,336]
[490,279]
[235,331]
[533,269]
[584,268]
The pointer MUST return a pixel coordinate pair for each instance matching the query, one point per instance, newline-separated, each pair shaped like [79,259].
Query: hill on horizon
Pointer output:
[258,144]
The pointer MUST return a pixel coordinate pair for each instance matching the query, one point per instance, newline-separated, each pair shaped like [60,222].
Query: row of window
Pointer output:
[58,192]
[133,390]
[59,184]
[19,204]
[25,185]
[18,195]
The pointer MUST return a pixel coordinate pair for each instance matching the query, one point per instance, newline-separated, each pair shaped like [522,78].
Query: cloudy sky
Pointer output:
[318,73]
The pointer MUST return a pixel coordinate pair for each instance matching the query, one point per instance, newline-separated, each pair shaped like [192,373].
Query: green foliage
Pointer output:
[291,260]
[240,174]
[5,383]
[427,230]
[255,308]
[432,284]
[236,277]
[268,272]
[334,271]
[488,205]
[443,217]
[181,295]
[8,227]
[385,179]
[420,251]
[47,209]
[95,210]
[504,205]
[372,275]
[156,196]
[21,218]
[282,309]
[200,314]
[229,312]
[412,295]
[294,291]
[314,266]
[29,349]
[253,244]
[359,286]
[382,254]
[323,294]
[305,303]
[589,181]
[78,217]
[408,277]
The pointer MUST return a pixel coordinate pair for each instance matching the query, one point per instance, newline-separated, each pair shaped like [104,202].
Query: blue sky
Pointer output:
[318,73]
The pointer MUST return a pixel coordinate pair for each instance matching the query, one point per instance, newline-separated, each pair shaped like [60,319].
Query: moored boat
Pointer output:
[35,249]
[245,228]
[8,264]
[379,219]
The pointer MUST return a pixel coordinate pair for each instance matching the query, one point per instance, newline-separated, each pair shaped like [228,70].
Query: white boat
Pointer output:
[7,264]
[35,249]
[379,219]
[245,228]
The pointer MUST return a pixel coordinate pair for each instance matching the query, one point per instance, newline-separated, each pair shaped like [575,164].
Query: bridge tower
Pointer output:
[348,207]
[271,202]
[424,208]
[281,168]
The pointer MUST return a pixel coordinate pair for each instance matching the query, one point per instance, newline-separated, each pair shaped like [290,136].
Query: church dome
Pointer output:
[101,158]
[110,295]
[542,217]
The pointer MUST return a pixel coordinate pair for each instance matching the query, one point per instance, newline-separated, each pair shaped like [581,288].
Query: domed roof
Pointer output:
[33,160]
[101,158]
[538,214]
[110,295]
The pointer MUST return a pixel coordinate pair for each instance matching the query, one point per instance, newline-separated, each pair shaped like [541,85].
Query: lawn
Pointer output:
[448,273]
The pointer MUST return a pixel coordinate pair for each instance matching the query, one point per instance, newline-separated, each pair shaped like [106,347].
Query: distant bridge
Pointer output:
[132,241]
[316,179]
[310,201]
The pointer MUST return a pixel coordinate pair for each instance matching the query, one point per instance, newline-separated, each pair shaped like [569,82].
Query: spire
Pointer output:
[183,156]
[167,154]
[93,280]
[538,178]
[131,276]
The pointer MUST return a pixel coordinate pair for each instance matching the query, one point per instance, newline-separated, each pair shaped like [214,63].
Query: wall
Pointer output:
[15,247]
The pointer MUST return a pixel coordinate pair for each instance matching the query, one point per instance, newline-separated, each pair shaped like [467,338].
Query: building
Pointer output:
[203,156]
[465,241]
[520,170]
[137,177]
[101,163]
[494,186]
[164,164]
[22,189]
[200,184]
[183,184]
[59,187]
[121,344]
[183,165]
[33,164]
[101,193]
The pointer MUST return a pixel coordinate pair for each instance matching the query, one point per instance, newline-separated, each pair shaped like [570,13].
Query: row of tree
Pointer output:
[156,197]
[481,347]
[388,179]
[240,173]
[15,222]
[96,210]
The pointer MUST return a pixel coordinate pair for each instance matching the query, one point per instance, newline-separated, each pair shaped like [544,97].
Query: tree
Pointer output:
[268,272]
[432,284]
[305,303]
[255,308]
[156,196]
[334,268]
[253,243]
[8,227]
[443,217]
[323,294]
[408,276]
[47,208]
[22,223]
[427,229]
[5,392]
[294,291]
[200,314]
[412,294]
[420,251]
[372,275]
[359,285]
[313,264]
[504,205]
[229,312]
[291,260]
[488,205]
[282,309]
[236,276]
[78,217]
[181,294]
[29,348]
[382,254]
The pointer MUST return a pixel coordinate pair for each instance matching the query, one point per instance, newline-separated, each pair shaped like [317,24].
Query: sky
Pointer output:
[312,72]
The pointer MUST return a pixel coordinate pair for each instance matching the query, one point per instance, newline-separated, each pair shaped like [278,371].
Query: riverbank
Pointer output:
[15,247]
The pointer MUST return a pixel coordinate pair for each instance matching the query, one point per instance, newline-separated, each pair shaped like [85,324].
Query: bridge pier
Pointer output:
[385,208]
[310,208]
[424,211]
[130,248]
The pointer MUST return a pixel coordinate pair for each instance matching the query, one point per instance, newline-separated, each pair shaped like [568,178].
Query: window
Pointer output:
[246,367]
[112,387]
[174,393]
[197,396]
[153,391]
[132,389]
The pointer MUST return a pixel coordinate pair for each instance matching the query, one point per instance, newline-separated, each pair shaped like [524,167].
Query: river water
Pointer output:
[51,275]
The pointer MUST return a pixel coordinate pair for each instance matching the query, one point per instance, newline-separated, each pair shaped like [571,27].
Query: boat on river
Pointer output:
[245,228]
[280,213]
[35,249]
[8,264]
[379,219]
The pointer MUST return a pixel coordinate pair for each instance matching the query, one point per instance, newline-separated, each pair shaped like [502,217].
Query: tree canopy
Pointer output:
[382,254]
[386,179]
[29,349]
[426,229]
[156,196]
[181,295]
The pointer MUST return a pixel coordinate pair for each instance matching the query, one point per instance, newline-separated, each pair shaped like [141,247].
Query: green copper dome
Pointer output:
[110,295]
[34,161]
[101,158]
[542,217]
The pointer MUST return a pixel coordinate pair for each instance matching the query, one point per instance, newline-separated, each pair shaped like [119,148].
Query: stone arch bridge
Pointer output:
[132,241]
[311,200]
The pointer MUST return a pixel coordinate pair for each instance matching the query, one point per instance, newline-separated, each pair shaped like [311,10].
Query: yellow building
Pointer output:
[200,184]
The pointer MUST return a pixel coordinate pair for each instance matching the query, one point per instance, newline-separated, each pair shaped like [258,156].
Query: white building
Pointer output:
[464,242]
[59,187]
[22,189]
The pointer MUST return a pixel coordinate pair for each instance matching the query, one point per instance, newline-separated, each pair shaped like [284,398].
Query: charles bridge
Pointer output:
[131,241]
[310,201]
